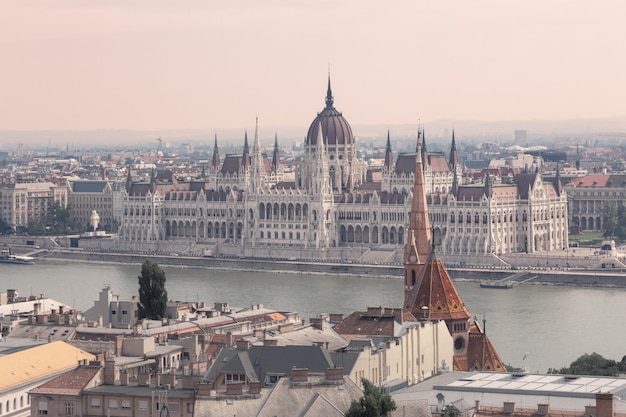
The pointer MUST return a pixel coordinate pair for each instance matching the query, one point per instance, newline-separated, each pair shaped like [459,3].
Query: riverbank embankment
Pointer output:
[545,276]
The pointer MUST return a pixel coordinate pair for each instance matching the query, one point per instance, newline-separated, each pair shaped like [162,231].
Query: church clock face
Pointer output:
[412,258]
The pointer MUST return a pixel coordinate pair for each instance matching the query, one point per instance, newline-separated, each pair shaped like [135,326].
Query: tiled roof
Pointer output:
[434,289]
[470,193]
[368,323]
[39,362]
[438,163]
[405,164]
[70,382]
[481,355]
[594,180]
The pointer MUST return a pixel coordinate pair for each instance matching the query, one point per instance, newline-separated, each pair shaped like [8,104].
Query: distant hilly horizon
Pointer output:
[436,131]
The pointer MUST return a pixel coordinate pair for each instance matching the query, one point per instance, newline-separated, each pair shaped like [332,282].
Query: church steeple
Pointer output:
[455,185]
[418,244]
[557,181]
[215,161]
[424,153]
[245,158]
[454,157]
[388,154]
[275,155]
[258,166]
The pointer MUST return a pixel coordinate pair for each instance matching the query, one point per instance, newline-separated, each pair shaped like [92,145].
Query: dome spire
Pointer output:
[329,94]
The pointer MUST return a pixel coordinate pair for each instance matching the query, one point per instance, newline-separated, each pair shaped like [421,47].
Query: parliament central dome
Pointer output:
[335,128]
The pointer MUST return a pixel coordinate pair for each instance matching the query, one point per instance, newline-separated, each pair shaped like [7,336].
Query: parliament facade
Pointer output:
[332,207]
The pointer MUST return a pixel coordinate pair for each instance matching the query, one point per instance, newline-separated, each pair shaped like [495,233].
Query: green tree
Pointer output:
[609,220]
[152,293]
[591,364]
[35,228]
[372,403]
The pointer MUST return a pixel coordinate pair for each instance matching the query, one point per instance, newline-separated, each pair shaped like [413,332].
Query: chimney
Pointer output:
[336,317]
[334,374]
[235,388]
[398,315]
[604,404]
[590,410]
[543,409]
[375,311]
[36,307]
[299,374]
[477,406]
[285,328]
[124,378]
[317,322]
[143,380]
[254,387]
[508,408]
[109,371]
[243,345]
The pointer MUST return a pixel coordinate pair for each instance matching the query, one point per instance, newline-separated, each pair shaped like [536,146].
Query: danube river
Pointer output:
[531,326]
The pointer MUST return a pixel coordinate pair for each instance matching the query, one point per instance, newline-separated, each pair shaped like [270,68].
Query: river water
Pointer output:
[532,326]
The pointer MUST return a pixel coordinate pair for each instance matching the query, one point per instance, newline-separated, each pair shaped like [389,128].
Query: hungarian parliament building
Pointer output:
[335,207]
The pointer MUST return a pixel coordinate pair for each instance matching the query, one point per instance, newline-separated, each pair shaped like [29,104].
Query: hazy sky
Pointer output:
[205,64]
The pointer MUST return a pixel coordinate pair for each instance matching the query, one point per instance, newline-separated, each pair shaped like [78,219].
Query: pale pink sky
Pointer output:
[203,64]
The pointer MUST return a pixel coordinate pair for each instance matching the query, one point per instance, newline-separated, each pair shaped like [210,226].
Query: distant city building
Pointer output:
[591,197]
[21,203]
[86,196]
[246,204]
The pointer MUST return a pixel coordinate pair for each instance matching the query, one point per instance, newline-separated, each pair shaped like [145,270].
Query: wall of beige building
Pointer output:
[420,353]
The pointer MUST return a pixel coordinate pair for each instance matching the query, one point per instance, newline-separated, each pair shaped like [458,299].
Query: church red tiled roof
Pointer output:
[435,290]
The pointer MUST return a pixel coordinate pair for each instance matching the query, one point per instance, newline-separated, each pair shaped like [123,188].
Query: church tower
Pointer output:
[430,293]
[418,242]
[257,175]
[388,155]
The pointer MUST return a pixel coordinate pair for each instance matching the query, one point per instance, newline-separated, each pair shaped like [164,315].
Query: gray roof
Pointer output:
[263,360]
[315,398]
[88,186]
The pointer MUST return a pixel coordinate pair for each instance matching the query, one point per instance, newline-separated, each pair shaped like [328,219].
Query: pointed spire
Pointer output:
[454,157]
[417,248]
[557,181]
[455,185]
[245,159]
[329,94]
[152,181]
[424,151]
[215,161]
[388,153]
[276,154]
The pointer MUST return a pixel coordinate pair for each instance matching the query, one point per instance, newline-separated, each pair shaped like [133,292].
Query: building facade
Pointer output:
[21,203]
[244,205]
